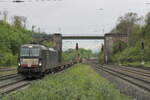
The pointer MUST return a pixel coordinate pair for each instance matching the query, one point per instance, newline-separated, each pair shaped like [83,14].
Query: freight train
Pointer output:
[36,60]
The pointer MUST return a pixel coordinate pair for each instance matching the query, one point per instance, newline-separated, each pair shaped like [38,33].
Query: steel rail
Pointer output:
[129,78]
[7,69]
[130,74]
[13,87]
[5,77]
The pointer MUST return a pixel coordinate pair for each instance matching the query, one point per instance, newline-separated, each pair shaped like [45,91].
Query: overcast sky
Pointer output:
[78,17]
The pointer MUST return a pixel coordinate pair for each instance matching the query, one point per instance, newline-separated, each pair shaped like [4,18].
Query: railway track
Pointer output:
[145,71]
[139,78]
[13,86]
[4,77]
[7,69]
[11,83]
[138,72]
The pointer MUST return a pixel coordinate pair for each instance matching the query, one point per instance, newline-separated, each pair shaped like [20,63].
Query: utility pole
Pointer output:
[33,27]
[142,43]
[142,52]
[103,31]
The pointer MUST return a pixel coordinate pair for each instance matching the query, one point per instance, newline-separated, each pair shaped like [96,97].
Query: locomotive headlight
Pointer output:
[19,64]
[40,64]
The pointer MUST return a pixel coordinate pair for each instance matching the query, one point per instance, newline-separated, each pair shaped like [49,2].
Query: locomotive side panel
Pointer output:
[55,59]
[49,61]
[44,63]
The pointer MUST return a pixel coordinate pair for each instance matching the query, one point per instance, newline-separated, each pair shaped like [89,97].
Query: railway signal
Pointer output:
[142,44]
[120,47]
[78,54]
[77,46]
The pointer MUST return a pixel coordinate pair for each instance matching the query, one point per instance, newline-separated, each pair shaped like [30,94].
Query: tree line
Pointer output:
[71,54]
[12,35]
[138,47]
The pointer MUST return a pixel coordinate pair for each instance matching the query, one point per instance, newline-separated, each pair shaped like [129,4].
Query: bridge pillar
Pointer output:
[109,40]
[57,39]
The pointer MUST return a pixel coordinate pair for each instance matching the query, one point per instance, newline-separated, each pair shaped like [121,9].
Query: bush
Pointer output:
[101,57]
[7,59]
[119,46]
[137,32]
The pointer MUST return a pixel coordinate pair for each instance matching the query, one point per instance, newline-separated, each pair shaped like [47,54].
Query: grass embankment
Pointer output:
[77,83]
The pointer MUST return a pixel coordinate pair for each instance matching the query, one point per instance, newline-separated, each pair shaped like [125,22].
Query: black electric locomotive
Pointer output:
[35,60]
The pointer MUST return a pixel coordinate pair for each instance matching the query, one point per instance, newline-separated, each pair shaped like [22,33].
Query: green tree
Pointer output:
[19,21]
[48,44]
[72,54]
[119,46]
[129,24]
[146,29]
[11,38]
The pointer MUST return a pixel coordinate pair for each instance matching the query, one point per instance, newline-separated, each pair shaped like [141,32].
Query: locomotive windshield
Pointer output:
[24,52]
[29,51]
[34,52]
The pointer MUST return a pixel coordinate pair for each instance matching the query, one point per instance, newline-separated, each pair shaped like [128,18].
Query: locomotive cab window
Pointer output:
[29,51]
[24,52]
[34,51]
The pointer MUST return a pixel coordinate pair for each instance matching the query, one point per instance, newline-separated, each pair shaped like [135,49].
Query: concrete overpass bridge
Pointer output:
[109,39]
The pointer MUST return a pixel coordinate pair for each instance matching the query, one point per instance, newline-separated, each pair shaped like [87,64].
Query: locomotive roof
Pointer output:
[34,45]
[38,45]
[51,49]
